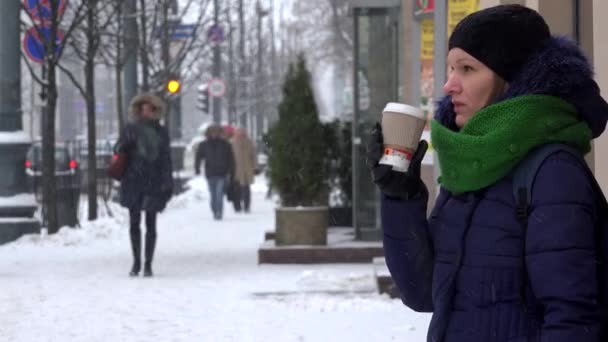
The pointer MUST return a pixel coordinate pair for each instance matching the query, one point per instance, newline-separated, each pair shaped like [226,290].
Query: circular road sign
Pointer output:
[217,87]
[41,9]
[215,34]
[34,40]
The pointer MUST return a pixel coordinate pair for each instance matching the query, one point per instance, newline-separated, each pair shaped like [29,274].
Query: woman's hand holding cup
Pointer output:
[404,185]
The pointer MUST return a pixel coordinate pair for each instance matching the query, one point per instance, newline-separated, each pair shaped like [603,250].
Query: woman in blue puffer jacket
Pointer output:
[511,87]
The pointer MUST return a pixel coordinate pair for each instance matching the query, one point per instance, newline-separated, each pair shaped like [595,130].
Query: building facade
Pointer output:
[580,20]
[400,55]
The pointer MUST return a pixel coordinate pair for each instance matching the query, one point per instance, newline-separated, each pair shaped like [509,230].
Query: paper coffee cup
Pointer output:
[402,127]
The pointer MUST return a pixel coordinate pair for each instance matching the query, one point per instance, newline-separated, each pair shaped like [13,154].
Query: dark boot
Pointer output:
[148,270]
[150,243]
[136,249]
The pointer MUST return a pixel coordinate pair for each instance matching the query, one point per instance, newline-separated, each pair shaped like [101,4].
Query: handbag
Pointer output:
[231,191]
[117,166]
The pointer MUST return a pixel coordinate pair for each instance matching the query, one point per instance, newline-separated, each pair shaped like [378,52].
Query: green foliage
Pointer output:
[298,142]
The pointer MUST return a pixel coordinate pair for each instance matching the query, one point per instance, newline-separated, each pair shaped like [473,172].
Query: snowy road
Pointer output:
[73,286]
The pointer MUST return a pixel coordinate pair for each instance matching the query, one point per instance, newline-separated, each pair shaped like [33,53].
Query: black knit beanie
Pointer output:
[501,37]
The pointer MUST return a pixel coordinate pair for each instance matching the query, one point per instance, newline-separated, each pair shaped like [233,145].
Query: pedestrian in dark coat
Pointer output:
[216,152]
[147,183]
[511,87]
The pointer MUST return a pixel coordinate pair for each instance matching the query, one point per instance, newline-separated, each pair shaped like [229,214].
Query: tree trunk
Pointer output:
[145,64]
[89,74]
[119,106]
[231,74]
[118,69]
[242,84]
[49,187]
[48,153]
[166,60]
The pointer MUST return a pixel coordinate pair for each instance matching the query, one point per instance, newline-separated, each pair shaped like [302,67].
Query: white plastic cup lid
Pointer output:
[402,108]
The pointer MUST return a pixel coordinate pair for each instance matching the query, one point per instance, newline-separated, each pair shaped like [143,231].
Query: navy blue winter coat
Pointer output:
[476,240]
[147,183]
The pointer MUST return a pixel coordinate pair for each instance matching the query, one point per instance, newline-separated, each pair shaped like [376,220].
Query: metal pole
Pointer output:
[259,124]
[243,72]
[131,46]
[356,140]
[440,28]
[274,76]
[165,57]
[258,114]
[415,67]
[440,47]
[217,66]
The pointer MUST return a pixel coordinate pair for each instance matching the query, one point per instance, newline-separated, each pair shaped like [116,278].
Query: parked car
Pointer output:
[64,160]
[67,181]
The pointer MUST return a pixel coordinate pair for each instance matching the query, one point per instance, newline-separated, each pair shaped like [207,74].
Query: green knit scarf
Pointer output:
[493,141]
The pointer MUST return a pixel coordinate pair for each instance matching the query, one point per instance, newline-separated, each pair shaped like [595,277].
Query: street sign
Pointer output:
[34,40]
[41,9]
[217,87]
[183,31]
[176,31]
[215,34]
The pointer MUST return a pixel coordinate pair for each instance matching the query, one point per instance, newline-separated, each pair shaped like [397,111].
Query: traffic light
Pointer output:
[173,86]
[202,100]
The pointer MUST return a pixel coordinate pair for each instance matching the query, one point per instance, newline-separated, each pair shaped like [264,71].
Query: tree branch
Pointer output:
[32,72]
[74,81]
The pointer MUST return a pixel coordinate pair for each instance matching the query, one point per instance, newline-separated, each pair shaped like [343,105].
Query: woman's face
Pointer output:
[147,111]
[471,84]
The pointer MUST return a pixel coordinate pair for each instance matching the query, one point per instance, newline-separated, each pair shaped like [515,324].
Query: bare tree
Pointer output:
[114,53]
[162,55]
[85,47]
[325,29]
[53,51]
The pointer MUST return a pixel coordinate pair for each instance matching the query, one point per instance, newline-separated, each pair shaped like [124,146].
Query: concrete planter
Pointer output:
[301,226]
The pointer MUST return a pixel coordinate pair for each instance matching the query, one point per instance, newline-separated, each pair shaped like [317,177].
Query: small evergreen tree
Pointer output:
[298,143]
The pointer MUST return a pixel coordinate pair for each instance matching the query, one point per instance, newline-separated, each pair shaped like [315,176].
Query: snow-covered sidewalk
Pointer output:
[73,286]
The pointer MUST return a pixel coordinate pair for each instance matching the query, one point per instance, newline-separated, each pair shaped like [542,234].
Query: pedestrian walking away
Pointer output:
[500,259]
[245,163]
[147,183]
[216,152]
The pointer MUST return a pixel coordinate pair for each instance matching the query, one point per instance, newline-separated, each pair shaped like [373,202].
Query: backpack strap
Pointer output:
[523,181]
[525,173]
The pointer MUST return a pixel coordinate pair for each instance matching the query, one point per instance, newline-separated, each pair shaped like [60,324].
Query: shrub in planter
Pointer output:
[299,161]
[299,144]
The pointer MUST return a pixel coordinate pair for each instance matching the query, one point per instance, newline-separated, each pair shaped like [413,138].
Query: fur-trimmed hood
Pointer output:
[559,69]
[137,101]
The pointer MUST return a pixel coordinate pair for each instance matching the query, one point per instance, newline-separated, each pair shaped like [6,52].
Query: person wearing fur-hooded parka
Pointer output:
[511,88]
[147,182]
